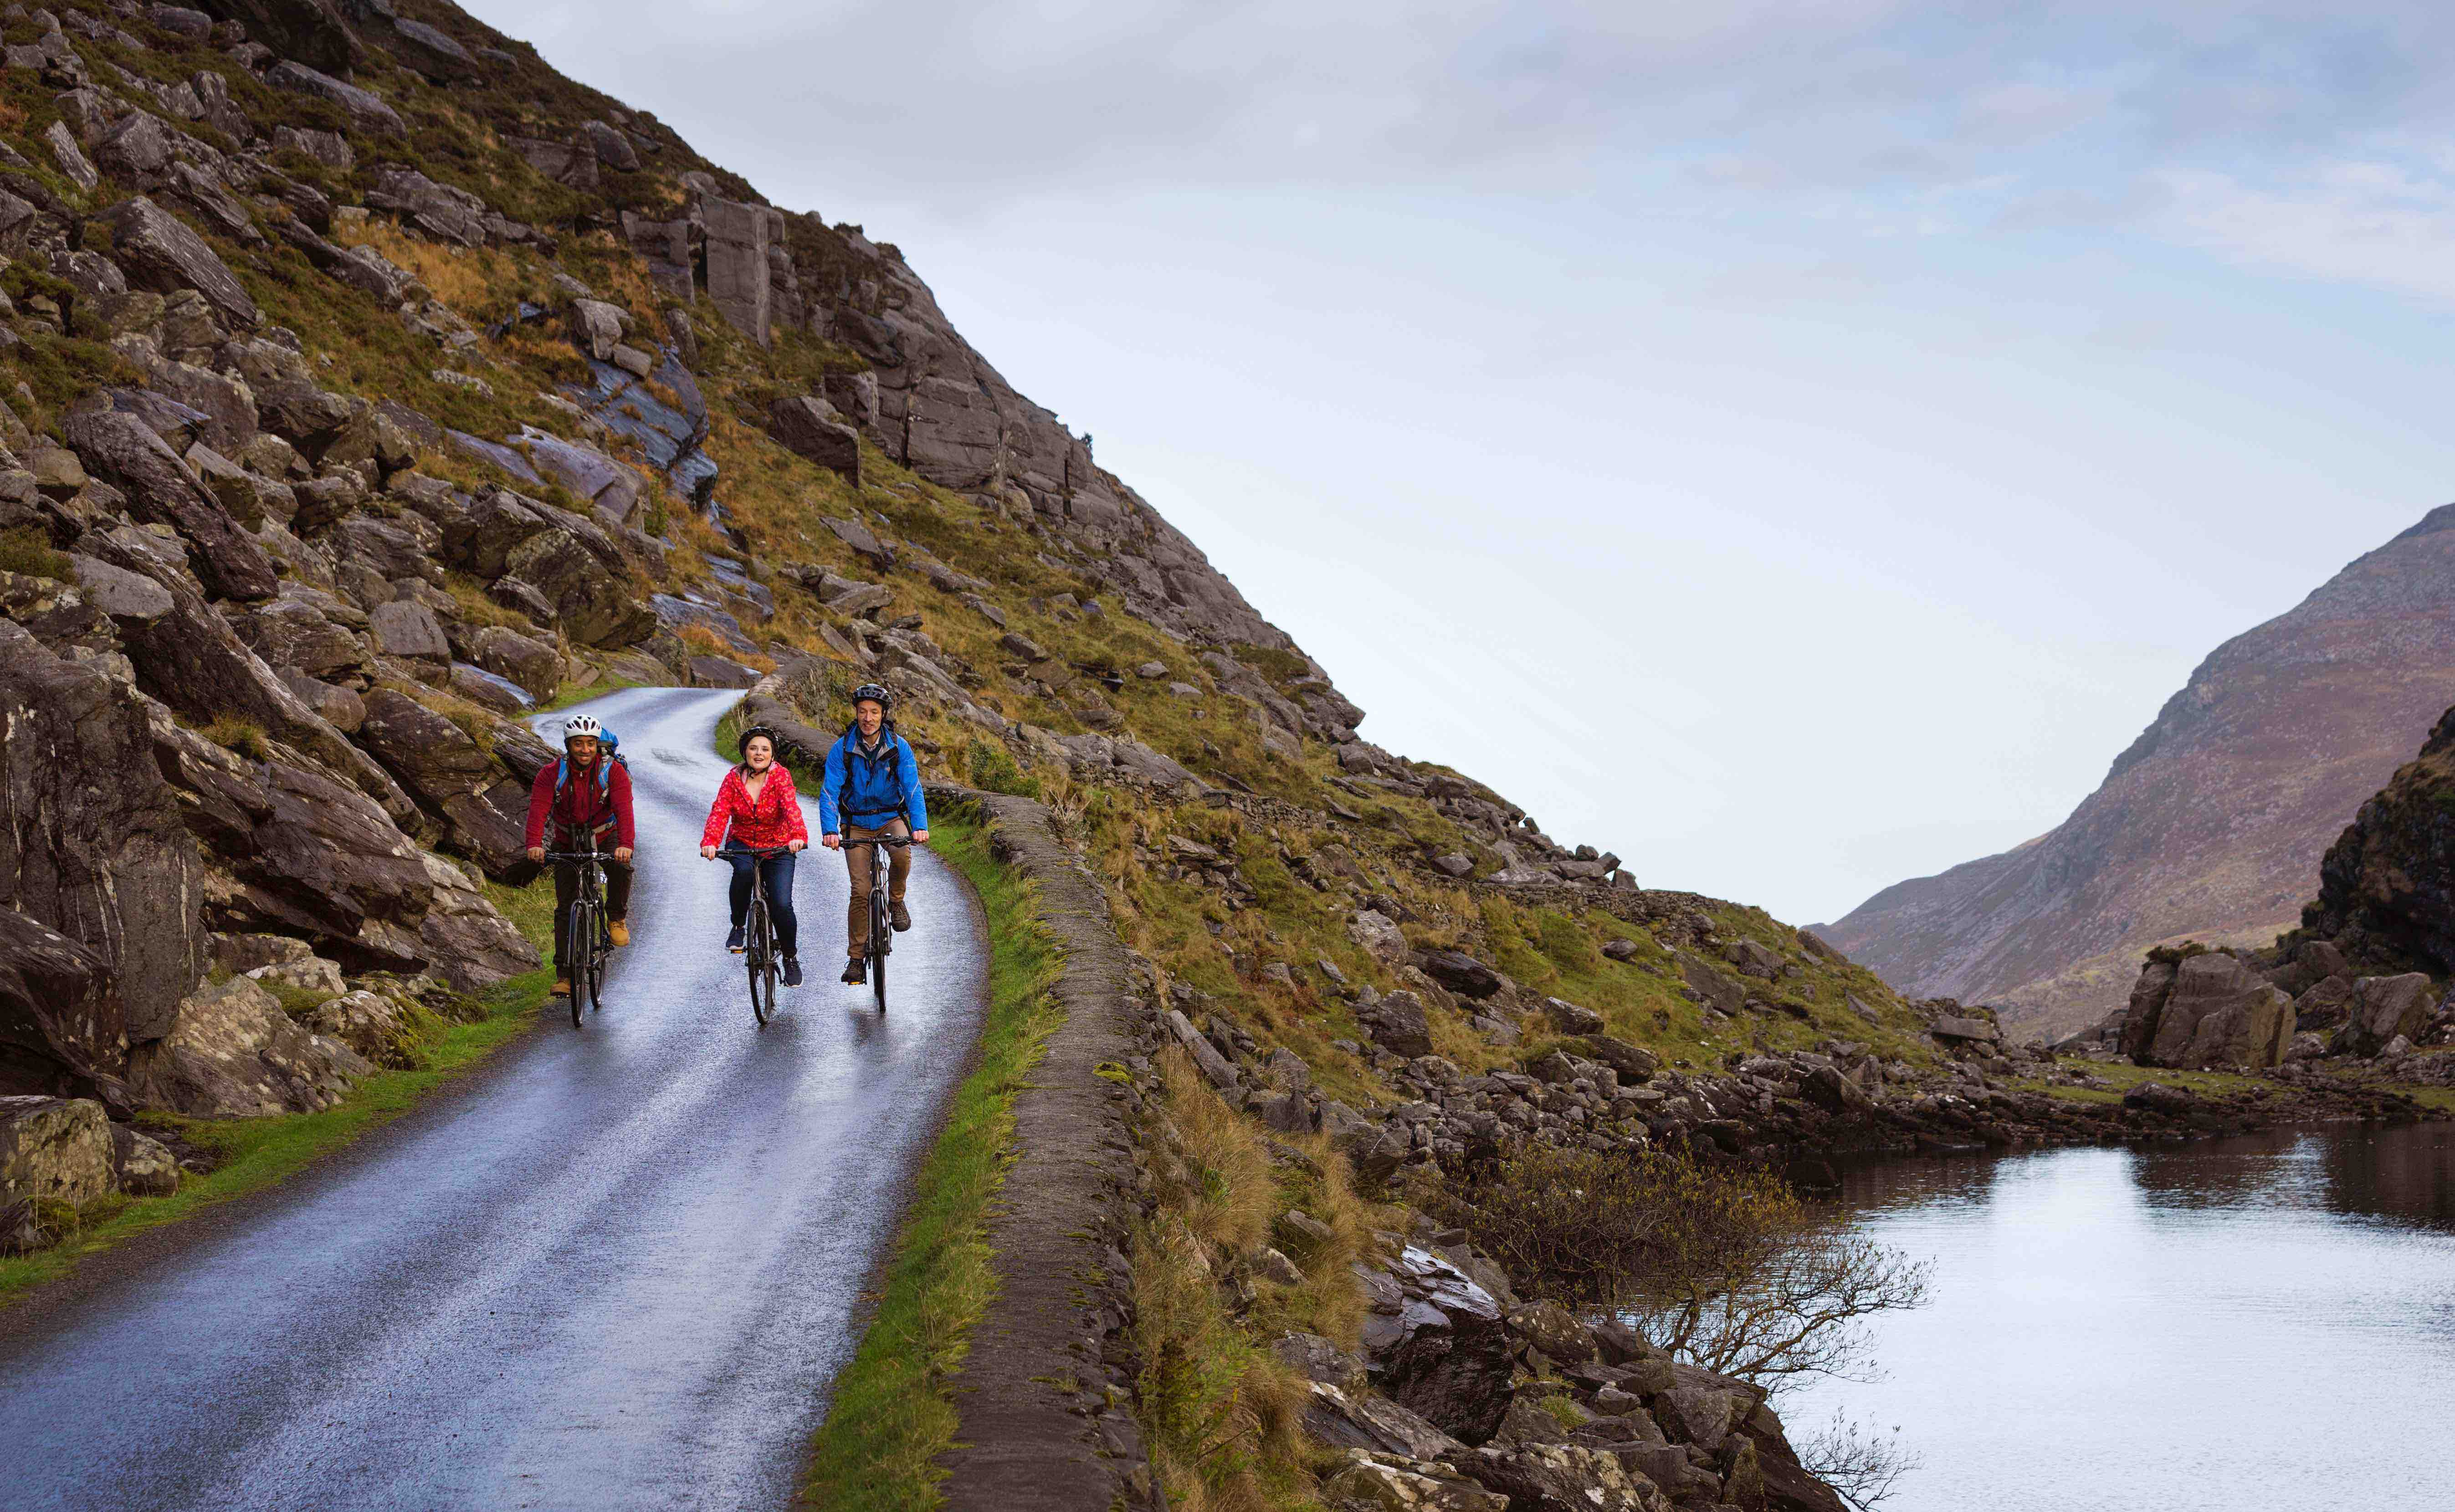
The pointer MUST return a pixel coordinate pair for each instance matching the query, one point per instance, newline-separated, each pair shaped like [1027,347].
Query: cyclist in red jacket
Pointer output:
[586,793]
[757,800]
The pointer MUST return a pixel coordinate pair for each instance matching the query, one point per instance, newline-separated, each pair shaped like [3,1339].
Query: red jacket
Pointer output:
[763,825]
[582,807]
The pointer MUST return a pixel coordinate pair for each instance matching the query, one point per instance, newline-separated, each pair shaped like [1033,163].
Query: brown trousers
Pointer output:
[857,859]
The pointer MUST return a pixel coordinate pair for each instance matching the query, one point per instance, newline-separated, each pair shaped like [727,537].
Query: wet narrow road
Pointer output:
[617,1269]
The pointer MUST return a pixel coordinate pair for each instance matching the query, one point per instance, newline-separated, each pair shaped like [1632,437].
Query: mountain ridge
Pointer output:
[2210,823]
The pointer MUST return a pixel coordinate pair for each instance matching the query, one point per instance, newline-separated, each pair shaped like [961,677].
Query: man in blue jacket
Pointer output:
[872,788]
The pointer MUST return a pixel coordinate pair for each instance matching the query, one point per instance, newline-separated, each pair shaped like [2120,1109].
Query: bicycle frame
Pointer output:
[585,967]
[759,953]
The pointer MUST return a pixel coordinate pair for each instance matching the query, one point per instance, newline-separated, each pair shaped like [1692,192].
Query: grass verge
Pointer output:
[252,1154]
[893,1410]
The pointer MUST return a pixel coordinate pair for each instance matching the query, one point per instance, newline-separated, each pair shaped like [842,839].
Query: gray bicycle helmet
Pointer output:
[875,694]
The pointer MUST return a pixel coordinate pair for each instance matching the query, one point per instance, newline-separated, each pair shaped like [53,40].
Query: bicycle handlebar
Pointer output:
[756,852]
[898,840]
[580,855]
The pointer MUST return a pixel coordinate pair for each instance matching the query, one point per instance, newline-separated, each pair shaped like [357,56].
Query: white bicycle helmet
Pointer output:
[581,724]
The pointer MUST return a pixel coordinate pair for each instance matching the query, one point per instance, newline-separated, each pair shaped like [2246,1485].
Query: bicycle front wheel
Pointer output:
[601,946]
[759,958]
[578,957]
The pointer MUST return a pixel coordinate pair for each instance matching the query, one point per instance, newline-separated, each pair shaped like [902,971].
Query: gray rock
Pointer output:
[118,593]
[1752,960]
[55,1150]
[70,156]
[159,253]
[1378,934]
[2219,1012]
[329,148]
[142,1165]
[809,427]
[612,148]
[1949,1027]
[233,1052]
[535,665]
[738,268]
[1214,1067]
[1562,1478]
[1462,973]
[404,628]
[2384,1008]
[367,111]
[1397,1022]
[1434,1342]
[1571,1018]
[597,327]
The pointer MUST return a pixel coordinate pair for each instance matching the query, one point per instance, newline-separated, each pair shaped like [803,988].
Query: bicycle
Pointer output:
[879,919]
[586,942]
[758,934]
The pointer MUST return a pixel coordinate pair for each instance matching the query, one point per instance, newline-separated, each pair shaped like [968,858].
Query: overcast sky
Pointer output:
[1793,445]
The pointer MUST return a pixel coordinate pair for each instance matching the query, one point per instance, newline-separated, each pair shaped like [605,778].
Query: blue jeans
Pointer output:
[779,895]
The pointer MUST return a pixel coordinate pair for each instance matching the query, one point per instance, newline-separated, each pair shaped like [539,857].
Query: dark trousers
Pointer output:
[566,887]
[778,870]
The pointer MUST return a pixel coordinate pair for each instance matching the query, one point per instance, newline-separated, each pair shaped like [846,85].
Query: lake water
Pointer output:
[2261,1324]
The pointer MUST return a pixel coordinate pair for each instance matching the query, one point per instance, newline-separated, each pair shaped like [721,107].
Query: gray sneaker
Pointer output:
[899,915]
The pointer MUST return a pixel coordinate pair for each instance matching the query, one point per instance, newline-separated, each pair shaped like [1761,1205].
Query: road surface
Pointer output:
[617,1268]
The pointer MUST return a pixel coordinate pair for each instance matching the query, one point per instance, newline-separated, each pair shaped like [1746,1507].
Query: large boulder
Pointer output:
[303,855]
[310,31]
[232,1053]
[63,1029]
[91,847]
[366,110]
[117,446]
[2217,1012]
[295,634]
[1562,1478]
[157,251]
[193,662]
[484,804]
[810,427]
[1435,1344]
[53,1150]
[533,664]
[1462,973]
[2383,1008]
[1397,1022]
[591,605]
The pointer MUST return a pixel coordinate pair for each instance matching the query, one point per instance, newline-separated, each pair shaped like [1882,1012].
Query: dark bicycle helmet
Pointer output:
[756,731]
[875,694]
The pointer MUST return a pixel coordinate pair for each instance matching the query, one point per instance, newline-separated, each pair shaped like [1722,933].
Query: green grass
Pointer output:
[252,1154]
[892,1411]
[2122,1078]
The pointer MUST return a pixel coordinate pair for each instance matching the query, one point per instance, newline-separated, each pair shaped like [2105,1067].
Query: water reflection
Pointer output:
[2228,1325]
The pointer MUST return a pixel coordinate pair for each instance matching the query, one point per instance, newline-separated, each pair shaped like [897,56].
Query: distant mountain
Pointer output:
[2212,824]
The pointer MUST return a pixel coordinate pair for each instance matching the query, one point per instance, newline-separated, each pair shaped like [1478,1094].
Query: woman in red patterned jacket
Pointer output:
[758,802]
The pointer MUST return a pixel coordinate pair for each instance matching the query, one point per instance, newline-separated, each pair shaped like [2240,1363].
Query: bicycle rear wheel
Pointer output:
[757,957]
[579,953]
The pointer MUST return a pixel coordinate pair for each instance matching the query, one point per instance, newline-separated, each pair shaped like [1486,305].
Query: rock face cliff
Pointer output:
[2386,887]
[2211,826]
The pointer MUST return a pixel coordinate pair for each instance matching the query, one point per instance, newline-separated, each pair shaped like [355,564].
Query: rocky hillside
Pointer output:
[2211,826]
[370,384]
